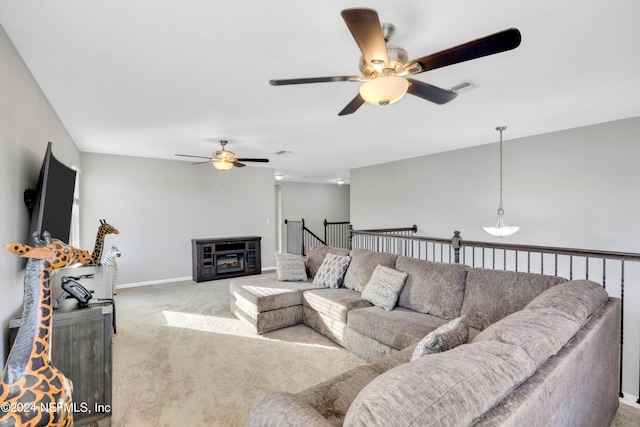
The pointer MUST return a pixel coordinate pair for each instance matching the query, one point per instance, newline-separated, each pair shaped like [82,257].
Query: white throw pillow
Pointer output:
[384,287]
[446,337]
[290,267]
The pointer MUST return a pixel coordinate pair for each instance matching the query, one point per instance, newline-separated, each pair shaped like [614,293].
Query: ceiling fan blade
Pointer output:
[238,164]
[245,159]
[364,25]
[353,106]
[201,163]
[430,93]
[304,80]
[197,157]
[484,46]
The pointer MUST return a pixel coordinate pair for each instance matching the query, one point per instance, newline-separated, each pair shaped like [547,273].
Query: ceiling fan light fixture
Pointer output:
[224,155]
[384,90]
[222,164]
[378,64]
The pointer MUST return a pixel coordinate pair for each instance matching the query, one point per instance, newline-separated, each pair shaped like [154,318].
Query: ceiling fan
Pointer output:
[385,68]
[224,160]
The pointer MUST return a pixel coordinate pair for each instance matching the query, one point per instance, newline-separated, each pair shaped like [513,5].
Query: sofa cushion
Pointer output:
[384,287]
[491,295]
[444,338]
[285,409]
[363,262]
[316,256]
[540,334]
[335,303]
[547,323]
[290,267]
[264,293]
[451,388]
[432,287]
[333,397]
[331,271]
[398,328]
[577,299]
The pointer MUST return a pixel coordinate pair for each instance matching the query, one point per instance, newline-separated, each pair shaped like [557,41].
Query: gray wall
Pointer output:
[314,203]
[577,188]
[27,122]
[160,205]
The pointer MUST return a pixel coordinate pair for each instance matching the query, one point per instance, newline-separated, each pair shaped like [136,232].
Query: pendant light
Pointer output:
[501,229]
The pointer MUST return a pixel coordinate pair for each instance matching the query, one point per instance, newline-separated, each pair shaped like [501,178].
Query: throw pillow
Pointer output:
[446,337]
[384,287]
[331,271]
[290,267]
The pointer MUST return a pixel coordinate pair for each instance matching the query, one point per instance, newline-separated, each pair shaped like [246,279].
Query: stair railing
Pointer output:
[337,234]
[299,238]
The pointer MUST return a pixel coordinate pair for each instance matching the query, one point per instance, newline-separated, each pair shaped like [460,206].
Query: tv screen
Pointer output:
[53,200]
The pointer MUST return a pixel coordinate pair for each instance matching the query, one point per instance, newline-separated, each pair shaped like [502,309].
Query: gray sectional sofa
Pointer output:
[541,350]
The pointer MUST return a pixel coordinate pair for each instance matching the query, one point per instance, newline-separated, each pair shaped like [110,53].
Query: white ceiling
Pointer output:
[152,78]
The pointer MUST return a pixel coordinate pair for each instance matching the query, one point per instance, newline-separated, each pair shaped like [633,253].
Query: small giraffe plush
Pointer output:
[33,392]
[103,230]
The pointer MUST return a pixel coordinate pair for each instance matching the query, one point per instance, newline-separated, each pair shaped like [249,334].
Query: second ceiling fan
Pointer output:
[223,159]
[385,68]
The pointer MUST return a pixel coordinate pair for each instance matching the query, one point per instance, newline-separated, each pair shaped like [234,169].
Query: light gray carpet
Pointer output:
[627,416]
[181,358]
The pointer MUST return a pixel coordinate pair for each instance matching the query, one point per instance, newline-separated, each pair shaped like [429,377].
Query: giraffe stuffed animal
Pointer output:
[33,392]
[103,230]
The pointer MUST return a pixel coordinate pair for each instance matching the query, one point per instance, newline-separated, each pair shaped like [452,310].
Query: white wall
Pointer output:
[577,188]
[27,123]
[158,206]
[314,203]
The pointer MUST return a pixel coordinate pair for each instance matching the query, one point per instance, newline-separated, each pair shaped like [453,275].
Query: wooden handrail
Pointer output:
[413,228]
[325,222]
[590,253]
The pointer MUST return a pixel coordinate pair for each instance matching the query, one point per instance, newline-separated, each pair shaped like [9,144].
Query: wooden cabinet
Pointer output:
[218,258]
[81,343]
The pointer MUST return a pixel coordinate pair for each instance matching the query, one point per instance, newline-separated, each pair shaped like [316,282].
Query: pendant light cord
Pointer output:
[501,128]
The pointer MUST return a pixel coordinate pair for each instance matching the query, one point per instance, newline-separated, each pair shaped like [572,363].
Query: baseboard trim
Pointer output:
[630,399]
[153,282]
[176,279]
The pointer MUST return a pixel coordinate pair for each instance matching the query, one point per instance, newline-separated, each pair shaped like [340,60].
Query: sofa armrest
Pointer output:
[285,409]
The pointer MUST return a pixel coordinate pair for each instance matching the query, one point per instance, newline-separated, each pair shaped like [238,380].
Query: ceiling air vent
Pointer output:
[464,86]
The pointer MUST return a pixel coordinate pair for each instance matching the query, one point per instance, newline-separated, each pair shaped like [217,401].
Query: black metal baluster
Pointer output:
[587,268]
[570,267]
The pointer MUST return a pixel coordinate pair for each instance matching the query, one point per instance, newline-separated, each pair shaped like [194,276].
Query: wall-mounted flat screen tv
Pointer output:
[53,199]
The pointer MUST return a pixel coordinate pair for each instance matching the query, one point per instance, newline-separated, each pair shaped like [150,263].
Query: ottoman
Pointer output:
[267,304]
